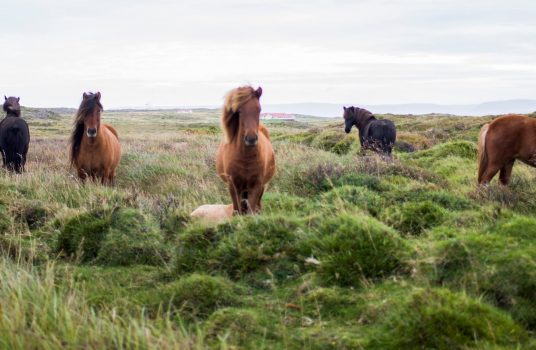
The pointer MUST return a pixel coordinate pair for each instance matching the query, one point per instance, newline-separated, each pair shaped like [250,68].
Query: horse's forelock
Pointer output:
[87,106]
[233,101]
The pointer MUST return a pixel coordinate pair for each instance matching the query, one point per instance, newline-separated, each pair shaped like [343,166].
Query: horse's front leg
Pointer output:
[234,197]
[82,175]
[254,198]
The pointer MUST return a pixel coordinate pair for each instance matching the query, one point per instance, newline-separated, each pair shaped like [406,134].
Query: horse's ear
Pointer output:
[258,92]
[85,95]
[98,95]
[18,99]
[5,97]
[344,108]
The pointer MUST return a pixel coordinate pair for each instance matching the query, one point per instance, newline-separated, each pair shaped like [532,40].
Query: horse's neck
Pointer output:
[13,114]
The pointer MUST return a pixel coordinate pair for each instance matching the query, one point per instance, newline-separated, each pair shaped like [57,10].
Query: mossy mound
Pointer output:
[331,302]
[287,204]
[498,267]
[462,149]
[353,249]
[354,197]
[24,248]
[357,179]
[5,219]
[133,238]
[193,248]
[259,242]
[176,222]
[199,295]
[441,319]
[82,235]
[444,199]
[413,218]
[334,141]
[33,212]
[239,327]
[522,227]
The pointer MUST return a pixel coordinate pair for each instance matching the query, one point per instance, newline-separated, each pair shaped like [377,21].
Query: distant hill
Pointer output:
[335,110]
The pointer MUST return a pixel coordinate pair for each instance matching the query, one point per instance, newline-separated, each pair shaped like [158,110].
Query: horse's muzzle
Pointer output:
[251,141]
[348,129]
[92,132]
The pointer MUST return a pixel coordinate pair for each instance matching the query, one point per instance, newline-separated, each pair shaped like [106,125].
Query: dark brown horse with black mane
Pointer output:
[14,136]
[375,134]
[501,142]
[94,149]
[245,159]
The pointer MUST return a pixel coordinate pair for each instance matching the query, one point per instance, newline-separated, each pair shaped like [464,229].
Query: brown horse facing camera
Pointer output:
[501,142]
[94,148]
[245,159]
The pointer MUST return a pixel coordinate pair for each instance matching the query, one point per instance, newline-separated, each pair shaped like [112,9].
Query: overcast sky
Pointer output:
[179,53]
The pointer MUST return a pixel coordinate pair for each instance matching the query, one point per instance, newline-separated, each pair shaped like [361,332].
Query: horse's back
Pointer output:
[268,153]
[115,146]
[264,130]
[513,134]
[112,129]
[382,132]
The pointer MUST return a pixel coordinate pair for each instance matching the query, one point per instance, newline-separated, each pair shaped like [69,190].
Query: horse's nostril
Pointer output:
[251,140]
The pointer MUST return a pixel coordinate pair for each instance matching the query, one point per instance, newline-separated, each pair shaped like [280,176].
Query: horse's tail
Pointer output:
[482,154]
[263,129]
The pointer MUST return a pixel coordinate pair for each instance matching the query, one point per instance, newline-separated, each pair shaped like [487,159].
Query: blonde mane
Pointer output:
[235,99]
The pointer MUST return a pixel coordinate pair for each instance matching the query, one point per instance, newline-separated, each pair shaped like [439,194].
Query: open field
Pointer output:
[350,251]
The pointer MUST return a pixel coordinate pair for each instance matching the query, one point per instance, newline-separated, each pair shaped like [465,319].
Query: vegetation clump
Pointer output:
[441,319]
[354,249]
[133,238]
[355,197]
[199,295]
[413,218]
[259,242]
[82,235]
[239,327]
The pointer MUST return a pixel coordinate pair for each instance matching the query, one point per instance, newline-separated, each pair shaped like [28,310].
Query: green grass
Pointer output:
[350,251]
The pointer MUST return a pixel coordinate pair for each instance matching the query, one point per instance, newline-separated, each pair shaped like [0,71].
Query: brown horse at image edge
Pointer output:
[94,149]
[501,142]
[245,159]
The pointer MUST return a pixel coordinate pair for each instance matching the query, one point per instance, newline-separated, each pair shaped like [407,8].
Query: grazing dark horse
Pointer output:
[503,141]
[375,134]
[94,148]
[245,159]
[14,136]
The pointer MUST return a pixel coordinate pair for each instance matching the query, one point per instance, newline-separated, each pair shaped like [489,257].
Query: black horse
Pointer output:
[375,134]
[14,136]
